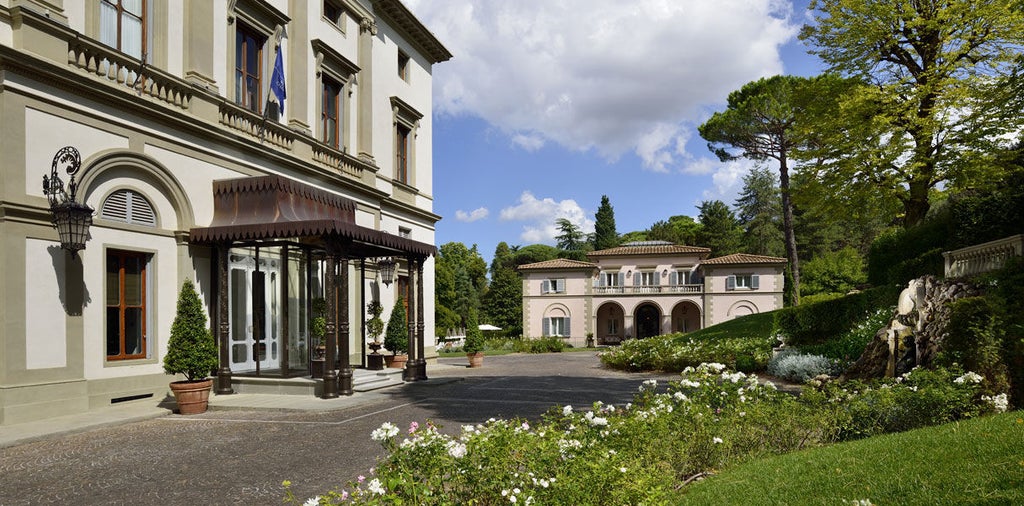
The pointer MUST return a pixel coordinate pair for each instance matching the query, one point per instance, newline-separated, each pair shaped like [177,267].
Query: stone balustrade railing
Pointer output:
[340,160]
[122,70]
[254,125]
[984,257]
[647,289]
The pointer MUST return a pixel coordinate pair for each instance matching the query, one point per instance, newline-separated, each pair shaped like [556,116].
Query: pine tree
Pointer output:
[760,214]
[396,337]
[605,235]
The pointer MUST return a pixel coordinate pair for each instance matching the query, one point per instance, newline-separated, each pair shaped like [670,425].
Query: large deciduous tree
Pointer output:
[679,229]
[943,87]
[503,304]
[762,121]
[605,235]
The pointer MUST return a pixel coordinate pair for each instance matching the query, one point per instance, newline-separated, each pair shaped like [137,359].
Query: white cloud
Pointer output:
[727,180]
[540,216]
[600,74]
[474,215]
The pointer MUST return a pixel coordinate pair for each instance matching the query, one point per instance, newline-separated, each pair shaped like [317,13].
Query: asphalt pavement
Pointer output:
[242,455]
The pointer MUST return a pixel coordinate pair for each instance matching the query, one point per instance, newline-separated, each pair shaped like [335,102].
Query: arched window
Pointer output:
[128,206]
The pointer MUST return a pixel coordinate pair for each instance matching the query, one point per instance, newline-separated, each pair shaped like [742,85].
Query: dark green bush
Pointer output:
[191,349]
[396,337]
[816,323]
[899,255]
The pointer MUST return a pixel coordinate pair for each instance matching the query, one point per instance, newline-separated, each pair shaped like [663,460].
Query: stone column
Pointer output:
[223,323]
[331,293]
[345,368]
[421,372]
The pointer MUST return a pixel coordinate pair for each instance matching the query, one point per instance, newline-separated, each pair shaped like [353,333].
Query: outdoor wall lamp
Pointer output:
[71,219]
[387,270]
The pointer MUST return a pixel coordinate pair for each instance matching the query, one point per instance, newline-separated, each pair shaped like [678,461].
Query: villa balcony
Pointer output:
[648,290]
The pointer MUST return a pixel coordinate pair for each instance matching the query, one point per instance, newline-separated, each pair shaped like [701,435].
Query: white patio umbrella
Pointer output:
[488,326]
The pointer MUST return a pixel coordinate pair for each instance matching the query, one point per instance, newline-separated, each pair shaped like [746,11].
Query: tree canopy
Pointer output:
[720,229]
[942,91]
[605,235]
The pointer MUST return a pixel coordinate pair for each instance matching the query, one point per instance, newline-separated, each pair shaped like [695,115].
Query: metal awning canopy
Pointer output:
[267,208]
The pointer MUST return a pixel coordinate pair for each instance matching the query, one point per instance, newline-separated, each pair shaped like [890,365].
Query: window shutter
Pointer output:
[636,279]
[754,282]
[730,283]
[116,207]
[139,211]
[673,278]
[568,327]
[622,279]
[600,279]
[545,327]
[545,286]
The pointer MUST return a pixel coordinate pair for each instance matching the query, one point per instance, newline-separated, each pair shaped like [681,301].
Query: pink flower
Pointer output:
[361,478]
[413,426]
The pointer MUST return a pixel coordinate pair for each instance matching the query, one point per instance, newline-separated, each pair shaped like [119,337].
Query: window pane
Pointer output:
[132,6]
[133,331]
[239,47]
[131,35]
[238,353]
[133,281]
[113,280]
[108,24]
[113,331]
[252,63]
[238,306]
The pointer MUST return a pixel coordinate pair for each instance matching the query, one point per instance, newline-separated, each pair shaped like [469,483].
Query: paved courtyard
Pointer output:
[242,456]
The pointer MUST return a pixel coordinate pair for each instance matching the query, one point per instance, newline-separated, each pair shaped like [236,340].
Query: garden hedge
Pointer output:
[815,323]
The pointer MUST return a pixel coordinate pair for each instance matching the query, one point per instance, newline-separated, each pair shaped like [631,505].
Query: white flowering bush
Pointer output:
[674,352]
[641,452]
[799,367]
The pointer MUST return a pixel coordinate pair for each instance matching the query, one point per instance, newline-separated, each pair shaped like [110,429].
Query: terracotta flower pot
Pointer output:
[476,359]
[192,396]
[396,361]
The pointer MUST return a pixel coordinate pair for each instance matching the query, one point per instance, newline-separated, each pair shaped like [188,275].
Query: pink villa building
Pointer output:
[644,289]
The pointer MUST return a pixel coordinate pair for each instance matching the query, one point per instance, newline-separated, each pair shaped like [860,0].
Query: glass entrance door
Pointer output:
[255,313]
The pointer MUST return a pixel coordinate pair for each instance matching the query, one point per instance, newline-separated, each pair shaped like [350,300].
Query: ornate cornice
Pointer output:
[404,22]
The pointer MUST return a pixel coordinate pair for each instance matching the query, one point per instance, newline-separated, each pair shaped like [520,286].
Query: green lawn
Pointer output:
[977,461]
[760,325]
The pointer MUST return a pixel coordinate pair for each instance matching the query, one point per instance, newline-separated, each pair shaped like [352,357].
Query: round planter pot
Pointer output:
[476,359]
[192,396]
[396,361]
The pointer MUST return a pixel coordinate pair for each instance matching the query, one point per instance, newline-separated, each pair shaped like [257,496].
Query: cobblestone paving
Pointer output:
[241,457]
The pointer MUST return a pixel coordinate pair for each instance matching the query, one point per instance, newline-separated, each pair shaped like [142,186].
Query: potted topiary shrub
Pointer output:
[396,337]
[374,328]
[191,351]
[474,347]
[318,330]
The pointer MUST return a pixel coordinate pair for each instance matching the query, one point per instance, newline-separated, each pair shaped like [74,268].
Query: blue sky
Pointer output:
[547,106]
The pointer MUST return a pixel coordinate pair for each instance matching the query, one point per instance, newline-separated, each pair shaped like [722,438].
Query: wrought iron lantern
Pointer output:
[386,266]
[71,219]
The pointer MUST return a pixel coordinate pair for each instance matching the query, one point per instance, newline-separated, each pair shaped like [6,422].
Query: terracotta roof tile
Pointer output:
[743,258]
[558,263]
[650,249]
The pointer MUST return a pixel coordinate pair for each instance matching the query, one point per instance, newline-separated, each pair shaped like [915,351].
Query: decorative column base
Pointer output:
[345,381]
[409,373]
[330,384]
[421,370]
[223,383]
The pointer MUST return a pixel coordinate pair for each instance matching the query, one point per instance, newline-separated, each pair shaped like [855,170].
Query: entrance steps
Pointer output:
[362,381]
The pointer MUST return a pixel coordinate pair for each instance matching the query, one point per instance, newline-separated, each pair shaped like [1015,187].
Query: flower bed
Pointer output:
[644,452]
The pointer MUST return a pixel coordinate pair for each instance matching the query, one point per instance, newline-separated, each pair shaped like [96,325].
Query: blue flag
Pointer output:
[277,80]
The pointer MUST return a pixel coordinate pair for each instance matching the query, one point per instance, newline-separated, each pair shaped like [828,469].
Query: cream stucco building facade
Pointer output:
[646,289]
[196,172]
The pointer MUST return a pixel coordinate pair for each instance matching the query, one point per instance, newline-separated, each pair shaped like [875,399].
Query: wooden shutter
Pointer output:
[754,282]
[636,279]
[545,327]
[673,278]
[622,279]
[568,327]
[730,283]
[545,286]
